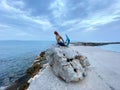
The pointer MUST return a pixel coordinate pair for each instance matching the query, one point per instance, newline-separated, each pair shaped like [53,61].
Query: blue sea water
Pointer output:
[111,47]
[17,56]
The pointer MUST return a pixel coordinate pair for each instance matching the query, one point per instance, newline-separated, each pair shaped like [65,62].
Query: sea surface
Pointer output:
[17,56]
[111,47]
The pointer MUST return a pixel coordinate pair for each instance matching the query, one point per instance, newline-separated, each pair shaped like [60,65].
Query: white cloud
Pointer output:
[94,20]
[59,8]
[18,3]
[67,16]
[24,15]
[3,26]
[6,7]
[90,29]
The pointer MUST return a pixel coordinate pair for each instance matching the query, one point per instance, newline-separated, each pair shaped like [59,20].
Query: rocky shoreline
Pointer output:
[65,62]
[38,65]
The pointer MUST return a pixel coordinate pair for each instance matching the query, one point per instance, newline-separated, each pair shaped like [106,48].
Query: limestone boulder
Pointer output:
[67,63]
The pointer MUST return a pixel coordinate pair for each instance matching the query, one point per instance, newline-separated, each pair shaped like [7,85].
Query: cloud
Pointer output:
[97,15]
[58,8]
[36,18]
[3,26]
[23,16]
[6,7]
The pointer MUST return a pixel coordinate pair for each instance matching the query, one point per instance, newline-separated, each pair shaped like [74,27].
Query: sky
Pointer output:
[81,20]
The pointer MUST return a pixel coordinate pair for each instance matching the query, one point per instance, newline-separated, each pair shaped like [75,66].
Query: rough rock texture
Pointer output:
[103,73]
[37,65]
[67,63]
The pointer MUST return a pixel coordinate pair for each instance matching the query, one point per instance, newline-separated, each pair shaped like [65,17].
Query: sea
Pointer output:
[111,47]
[17,56]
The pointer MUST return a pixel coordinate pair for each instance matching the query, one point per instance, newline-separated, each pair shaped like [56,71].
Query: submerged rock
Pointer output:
[67,63]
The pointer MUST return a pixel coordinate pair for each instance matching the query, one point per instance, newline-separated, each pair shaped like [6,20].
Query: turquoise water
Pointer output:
[112,47]
[17,56]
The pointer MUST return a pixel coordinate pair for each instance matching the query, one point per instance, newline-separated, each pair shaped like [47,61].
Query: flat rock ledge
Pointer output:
[67,63]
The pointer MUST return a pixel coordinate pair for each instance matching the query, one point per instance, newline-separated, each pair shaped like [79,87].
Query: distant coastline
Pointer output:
[76,43]
[93,43]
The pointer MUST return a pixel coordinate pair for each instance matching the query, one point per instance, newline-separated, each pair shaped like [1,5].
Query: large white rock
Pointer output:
[67,63]
[103,73]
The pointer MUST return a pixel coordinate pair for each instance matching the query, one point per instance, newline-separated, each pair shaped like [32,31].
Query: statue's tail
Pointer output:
[67,41]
